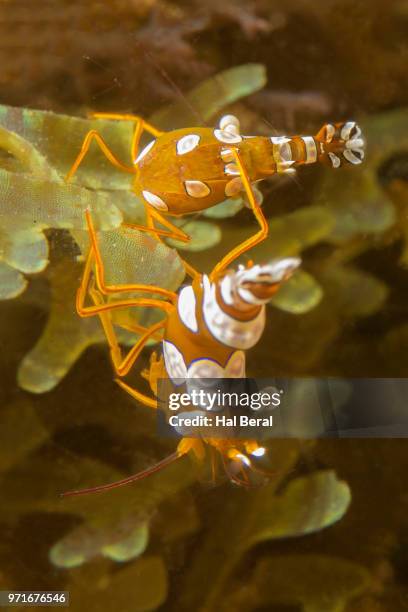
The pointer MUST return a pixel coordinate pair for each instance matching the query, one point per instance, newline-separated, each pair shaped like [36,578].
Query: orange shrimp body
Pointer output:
[206,331]
[212,324]
[211,327]
[191,169]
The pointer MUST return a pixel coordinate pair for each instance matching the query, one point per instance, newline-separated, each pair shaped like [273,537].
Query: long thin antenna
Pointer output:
[175,87]
[120,483]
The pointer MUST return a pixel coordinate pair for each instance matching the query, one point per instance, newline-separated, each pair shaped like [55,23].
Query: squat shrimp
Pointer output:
[188,170]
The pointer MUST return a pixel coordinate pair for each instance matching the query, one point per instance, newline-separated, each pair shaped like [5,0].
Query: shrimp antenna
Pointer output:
[120,483]
[174,86]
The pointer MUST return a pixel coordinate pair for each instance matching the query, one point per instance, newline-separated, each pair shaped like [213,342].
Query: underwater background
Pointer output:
[329,532]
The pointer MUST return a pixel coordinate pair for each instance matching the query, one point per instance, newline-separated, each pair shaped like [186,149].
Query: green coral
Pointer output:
[85,542]
[12,282]
[132,257]
[144,583]
[316,582]
[343,314]
[306,505]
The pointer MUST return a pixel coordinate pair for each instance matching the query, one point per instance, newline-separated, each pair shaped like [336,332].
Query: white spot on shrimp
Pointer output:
[197,189]
[186,306]
[205,368]
[334,160]
[174,362]
[259,452]
[330,131]
[227,137]
[356,143]
[144,151]
[311,150]
[230,124]
[231,169]
[349,155]
[346,129]
[243,458]
[187,143]
[154,200]
[258,195]
[235,367]
[227,156]
[229,120]
[233,187]
[226,329]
